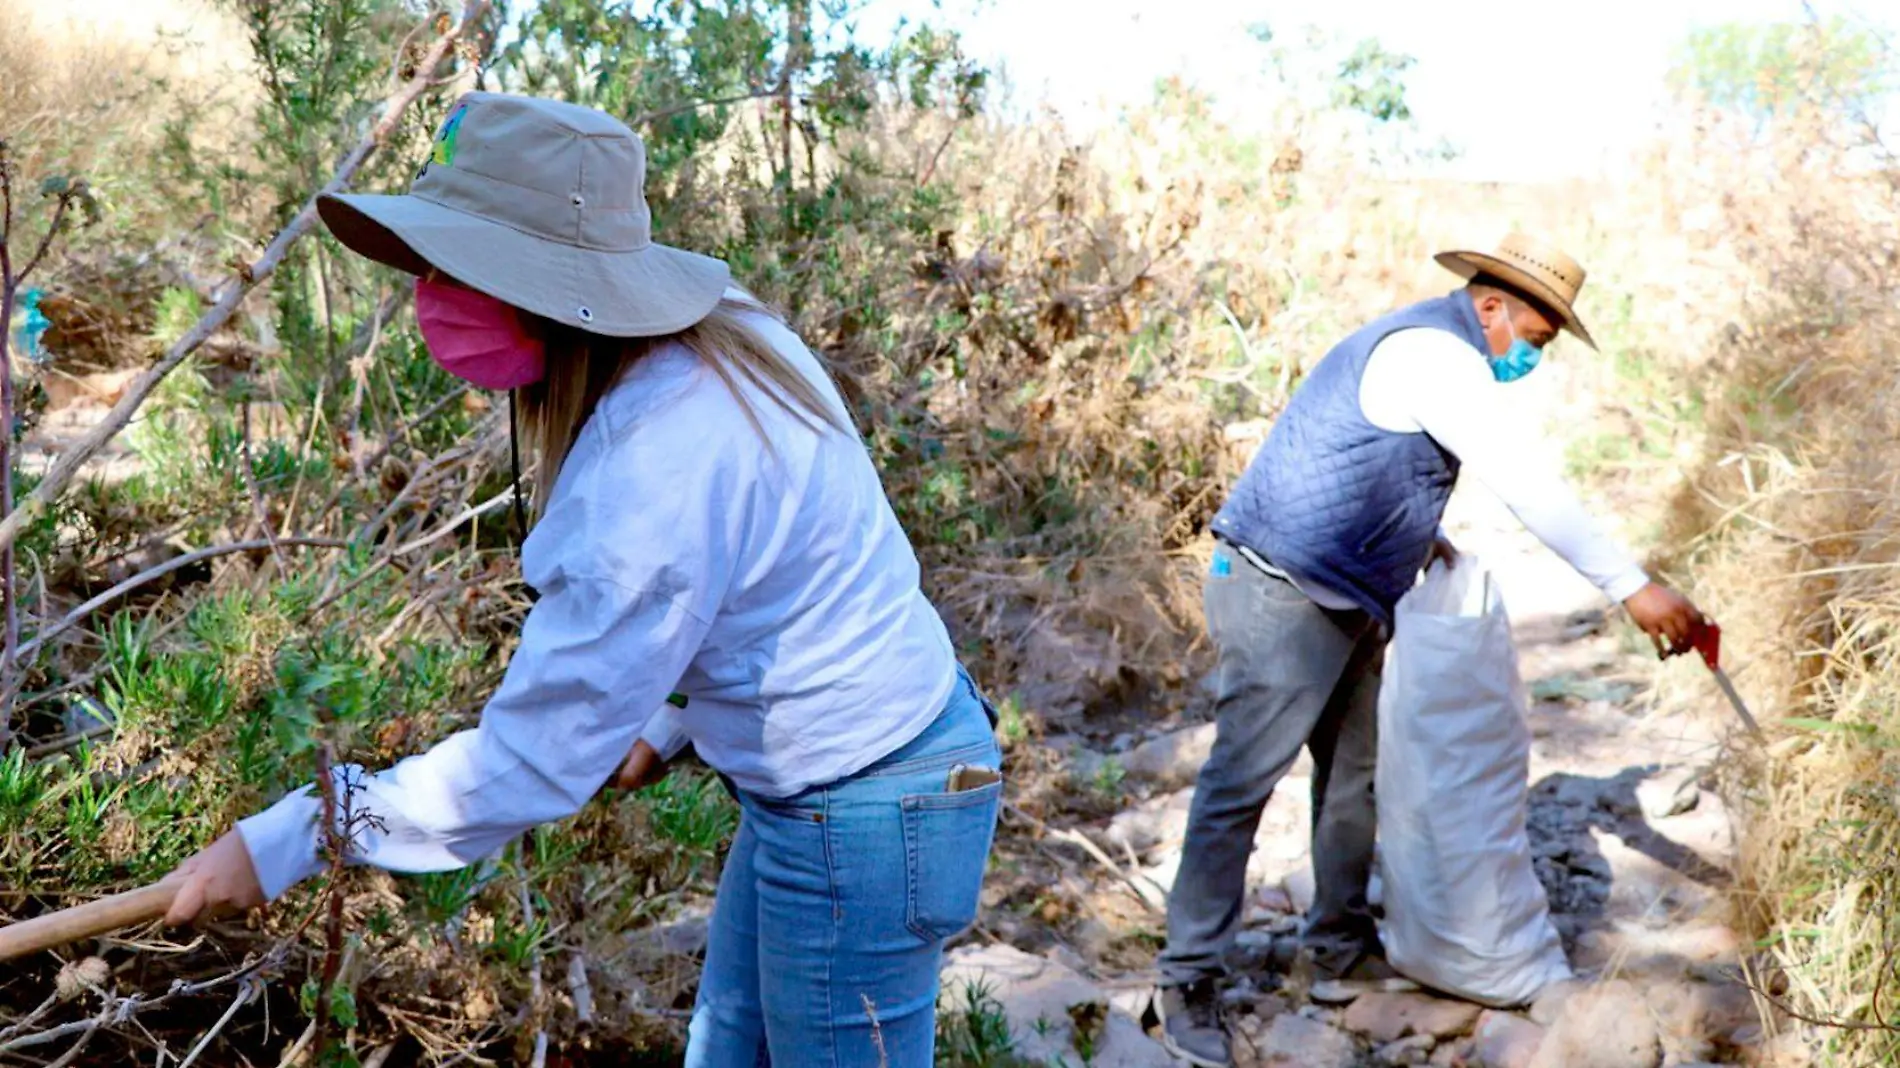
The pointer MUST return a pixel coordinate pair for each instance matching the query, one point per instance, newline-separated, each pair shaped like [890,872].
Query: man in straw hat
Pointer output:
[708,521]
[1327,528]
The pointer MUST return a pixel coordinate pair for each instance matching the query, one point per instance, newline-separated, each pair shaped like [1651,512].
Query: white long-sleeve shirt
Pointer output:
[1428,381]
[774,589]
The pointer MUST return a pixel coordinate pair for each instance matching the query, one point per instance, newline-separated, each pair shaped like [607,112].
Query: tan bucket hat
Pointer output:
[1540,270]
[539,204]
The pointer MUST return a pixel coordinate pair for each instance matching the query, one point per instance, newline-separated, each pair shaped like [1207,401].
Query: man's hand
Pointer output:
[1667,617]
[1443,551]
[643,767]
[216,880]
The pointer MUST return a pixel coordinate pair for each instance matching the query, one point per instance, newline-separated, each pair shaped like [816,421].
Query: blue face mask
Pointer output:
[1518,360]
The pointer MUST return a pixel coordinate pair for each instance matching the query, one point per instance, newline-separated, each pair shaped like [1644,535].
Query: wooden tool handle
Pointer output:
[86,921]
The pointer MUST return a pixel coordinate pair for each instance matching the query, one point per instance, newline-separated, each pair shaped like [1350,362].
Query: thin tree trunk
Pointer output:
[11,640]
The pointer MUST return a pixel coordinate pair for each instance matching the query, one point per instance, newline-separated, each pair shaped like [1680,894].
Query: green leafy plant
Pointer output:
[972,1031]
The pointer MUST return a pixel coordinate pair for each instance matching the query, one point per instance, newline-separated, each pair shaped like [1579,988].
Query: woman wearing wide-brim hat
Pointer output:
[708,525]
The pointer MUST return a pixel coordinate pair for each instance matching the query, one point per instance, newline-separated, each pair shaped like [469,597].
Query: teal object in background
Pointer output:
[33,327]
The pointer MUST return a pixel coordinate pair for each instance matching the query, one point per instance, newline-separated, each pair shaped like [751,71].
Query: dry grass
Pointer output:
[1791,524]
[90,85]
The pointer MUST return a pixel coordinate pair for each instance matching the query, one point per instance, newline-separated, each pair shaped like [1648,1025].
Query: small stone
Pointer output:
[1550,1001]
[1172,759]
[1791,1050]
[1417,1049]
[1669,793]
[1152,823]
[1384,1017]
[1591,864]
[1604,1026]
[1254,939]
[1553,848]
[1506,1041]
[682,937]
[1296,1041]
[1240,992]
[1068,958]
[1300,889]
[1579,792]
[1274,899]
[1453,1055]
[1132,1000]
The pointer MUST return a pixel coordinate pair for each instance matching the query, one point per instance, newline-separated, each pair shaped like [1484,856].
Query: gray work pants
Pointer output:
[1291,674]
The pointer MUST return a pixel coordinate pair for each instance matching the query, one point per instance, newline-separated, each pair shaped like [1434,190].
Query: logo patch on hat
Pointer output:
[444,151]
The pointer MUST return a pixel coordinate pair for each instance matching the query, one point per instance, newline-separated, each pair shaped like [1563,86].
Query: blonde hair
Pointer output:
[583,367]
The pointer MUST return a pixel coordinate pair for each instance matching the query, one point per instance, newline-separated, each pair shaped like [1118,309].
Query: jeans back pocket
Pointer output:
[946,850]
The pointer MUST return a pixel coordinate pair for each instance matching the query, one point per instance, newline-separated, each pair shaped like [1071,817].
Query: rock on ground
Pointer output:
[1669,793]
[1155,822]
[1172,759]
[1384,1018]
[1506,1041]
[1295,1041]
[1605,1026]
[1414,1050]
[1046,1005]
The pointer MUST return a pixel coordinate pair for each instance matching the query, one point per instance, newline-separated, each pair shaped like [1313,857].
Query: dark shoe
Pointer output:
[1193,1027]
[1366,974]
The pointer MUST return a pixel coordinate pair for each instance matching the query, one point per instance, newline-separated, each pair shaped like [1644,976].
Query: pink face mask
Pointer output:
[477,338]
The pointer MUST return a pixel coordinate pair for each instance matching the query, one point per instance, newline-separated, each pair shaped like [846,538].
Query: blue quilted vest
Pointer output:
[1334,499]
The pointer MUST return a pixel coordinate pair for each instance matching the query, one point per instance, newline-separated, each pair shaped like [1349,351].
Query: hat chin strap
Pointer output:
[514,464]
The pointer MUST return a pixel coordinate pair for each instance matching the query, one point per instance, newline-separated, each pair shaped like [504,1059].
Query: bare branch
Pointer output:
[47,238]
[695,105]
[63,470]
[246,992]
[537,991]
[77,615]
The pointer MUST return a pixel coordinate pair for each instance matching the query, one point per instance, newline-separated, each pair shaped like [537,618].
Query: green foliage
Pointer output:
[1768,70]
[1372,81]
[690,810]
[685,74]
[972,1031]
[1012,722]
[176,312]
[342,1002]
[442,897]
[516,942]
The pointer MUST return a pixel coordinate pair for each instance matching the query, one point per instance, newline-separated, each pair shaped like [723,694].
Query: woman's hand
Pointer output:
[643,767]
[216,880]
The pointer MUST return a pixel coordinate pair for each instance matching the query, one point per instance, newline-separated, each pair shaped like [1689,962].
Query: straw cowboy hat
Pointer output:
[1539,270]
[541,205]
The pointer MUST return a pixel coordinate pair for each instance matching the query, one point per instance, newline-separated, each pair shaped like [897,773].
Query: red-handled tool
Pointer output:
[1708,642]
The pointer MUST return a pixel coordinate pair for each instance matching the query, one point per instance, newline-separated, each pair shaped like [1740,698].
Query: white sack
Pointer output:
[1464,912]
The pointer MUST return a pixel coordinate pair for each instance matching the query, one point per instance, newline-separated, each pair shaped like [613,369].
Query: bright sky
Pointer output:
[1585,74]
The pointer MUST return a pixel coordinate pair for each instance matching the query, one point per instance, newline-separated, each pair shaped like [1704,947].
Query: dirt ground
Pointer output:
[1632,844]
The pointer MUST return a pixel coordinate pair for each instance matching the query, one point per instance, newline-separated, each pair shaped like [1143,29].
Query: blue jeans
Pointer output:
[834,906]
